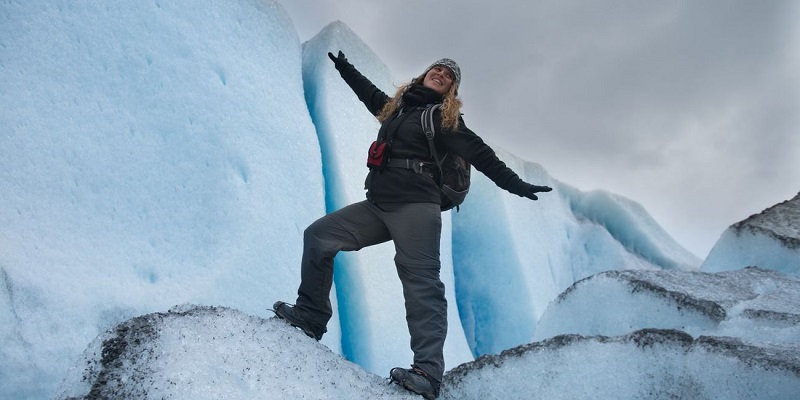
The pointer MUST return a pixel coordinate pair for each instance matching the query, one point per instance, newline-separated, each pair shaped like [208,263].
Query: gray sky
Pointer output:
[691,108]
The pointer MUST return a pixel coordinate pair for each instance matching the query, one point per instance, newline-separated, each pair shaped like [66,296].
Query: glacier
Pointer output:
[769,239]
[154,155]
[514,257]
[752,304]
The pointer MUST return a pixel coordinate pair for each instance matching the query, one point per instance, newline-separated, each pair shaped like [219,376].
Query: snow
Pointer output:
[154,154]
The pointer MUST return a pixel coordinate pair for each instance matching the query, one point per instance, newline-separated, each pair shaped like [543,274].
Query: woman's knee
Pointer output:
[317,236]
[314,232]
[424,269]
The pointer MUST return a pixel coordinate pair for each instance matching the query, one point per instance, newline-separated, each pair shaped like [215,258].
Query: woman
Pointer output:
[402,205]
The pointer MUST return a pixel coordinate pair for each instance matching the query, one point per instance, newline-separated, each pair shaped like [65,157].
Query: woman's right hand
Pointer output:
[339,60]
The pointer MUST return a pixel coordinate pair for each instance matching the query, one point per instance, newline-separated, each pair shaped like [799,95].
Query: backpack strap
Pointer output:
[389,136]
[427,127]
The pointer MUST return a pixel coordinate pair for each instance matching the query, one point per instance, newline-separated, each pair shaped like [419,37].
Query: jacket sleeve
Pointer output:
[367,92]
[465,143]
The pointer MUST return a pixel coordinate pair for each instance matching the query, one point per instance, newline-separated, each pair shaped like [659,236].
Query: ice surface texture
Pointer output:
[194,352]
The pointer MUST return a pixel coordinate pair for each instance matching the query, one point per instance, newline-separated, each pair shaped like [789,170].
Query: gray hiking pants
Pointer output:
[416,230]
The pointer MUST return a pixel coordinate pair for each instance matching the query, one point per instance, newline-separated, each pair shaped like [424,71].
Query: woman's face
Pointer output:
[439,79]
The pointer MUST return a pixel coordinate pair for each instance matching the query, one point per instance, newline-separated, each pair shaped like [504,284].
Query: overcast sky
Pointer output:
[691,108]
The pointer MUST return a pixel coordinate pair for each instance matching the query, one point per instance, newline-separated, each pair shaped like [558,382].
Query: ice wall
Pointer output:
[769,239]
[513,255]
[370,296]
[150,154]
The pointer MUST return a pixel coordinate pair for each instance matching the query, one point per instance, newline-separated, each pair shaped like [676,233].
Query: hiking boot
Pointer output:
[289,313]
[416,380]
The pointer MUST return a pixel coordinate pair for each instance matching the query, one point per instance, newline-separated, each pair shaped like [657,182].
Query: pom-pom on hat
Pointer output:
[449,64]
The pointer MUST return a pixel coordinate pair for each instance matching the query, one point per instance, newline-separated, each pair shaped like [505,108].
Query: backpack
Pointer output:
[454,171]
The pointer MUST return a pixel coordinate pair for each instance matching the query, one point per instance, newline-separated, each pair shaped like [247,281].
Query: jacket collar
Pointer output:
[418,95]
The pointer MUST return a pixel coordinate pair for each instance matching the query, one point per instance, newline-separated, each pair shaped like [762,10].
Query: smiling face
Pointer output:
[439,78]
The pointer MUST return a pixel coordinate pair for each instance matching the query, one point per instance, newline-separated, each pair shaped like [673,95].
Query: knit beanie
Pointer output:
[449,64]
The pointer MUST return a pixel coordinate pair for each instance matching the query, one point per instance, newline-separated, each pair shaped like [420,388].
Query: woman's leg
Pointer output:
[416,231]
[350,228]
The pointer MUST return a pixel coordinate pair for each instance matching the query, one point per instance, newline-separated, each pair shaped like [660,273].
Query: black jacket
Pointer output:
[399,185]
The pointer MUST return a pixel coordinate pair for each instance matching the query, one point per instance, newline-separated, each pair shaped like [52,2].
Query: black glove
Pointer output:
[339,61]
[531,190]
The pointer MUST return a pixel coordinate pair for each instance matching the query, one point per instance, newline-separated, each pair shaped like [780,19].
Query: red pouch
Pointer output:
[377,155]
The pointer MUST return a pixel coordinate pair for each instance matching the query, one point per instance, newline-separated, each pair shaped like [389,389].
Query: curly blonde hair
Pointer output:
[451,106]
